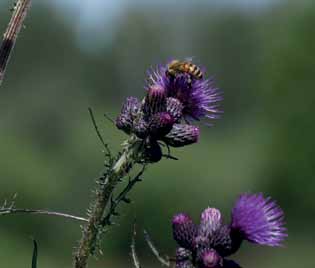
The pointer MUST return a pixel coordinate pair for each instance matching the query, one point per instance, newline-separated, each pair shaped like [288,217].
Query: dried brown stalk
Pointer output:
[19,13]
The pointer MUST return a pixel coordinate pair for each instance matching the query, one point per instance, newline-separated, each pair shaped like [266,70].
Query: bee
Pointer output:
[176,66]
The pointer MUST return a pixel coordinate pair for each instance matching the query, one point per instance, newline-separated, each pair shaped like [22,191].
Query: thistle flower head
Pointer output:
[254,218]
[259,220]
[175,94]
[199,97]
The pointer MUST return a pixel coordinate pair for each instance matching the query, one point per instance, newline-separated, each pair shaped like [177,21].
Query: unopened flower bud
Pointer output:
[128,112]
[211,259]
[155,101]
[181,135]
[160,124]
[182,254]
[184,230]
[140,128]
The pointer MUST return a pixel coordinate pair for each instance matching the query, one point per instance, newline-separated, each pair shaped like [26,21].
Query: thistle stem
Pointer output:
[94,227]
[9,211]
[9,38]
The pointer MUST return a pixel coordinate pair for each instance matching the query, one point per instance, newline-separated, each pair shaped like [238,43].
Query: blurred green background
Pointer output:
[74,55]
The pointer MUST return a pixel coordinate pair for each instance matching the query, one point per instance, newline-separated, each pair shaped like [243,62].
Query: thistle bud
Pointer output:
[155,101]
[140,128]
[128,112]
[184,264]
[210,259]
[182,254]
[175,108]
[181,135]
[160,124]
[184,230]
[210,221]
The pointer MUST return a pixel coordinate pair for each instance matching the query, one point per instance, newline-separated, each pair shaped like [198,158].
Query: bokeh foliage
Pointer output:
[262,59]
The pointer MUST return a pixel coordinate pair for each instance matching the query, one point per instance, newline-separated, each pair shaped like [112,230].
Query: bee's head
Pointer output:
[171,67]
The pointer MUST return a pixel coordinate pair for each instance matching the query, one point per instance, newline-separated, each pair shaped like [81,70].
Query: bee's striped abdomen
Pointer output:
[185,67]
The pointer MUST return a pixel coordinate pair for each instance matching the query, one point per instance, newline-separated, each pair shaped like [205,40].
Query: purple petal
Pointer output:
[259,220]
[200,98]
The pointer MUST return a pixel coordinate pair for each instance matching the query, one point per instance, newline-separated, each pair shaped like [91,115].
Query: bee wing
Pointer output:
[189,59]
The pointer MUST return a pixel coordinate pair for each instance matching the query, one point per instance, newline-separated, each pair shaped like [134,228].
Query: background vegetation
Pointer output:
[263,60]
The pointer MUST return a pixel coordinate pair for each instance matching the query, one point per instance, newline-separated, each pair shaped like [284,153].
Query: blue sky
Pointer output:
[93,12]
[94,16]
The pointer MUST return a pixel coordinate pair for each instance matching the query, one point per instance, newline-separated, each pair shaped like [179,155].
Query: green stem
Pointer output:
[93,228]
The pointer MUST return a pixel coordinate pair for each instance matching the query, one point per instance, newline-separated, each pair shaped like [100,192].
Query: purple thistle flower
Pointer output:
[184,230]
[199,97]
[259,220]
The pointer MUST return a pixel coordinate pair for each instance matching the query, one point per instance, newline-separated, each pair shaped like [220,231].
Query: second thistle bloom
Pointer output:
[254,218]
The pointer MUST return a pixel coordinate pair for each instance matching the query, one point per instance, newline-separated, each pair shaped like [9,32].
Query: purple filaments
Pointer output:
[254,218]
[200,98]
[259,220]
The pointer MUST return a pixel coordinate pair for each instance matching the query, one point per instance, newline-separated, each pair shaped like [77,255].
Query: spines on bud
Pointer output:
[183,258]
[181,135]
[175,108]
[160,124]
[127,115]
[184,264]
[182,254]
[184,230]
[140,128]
[210,222]
[209,258]
[155,101]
